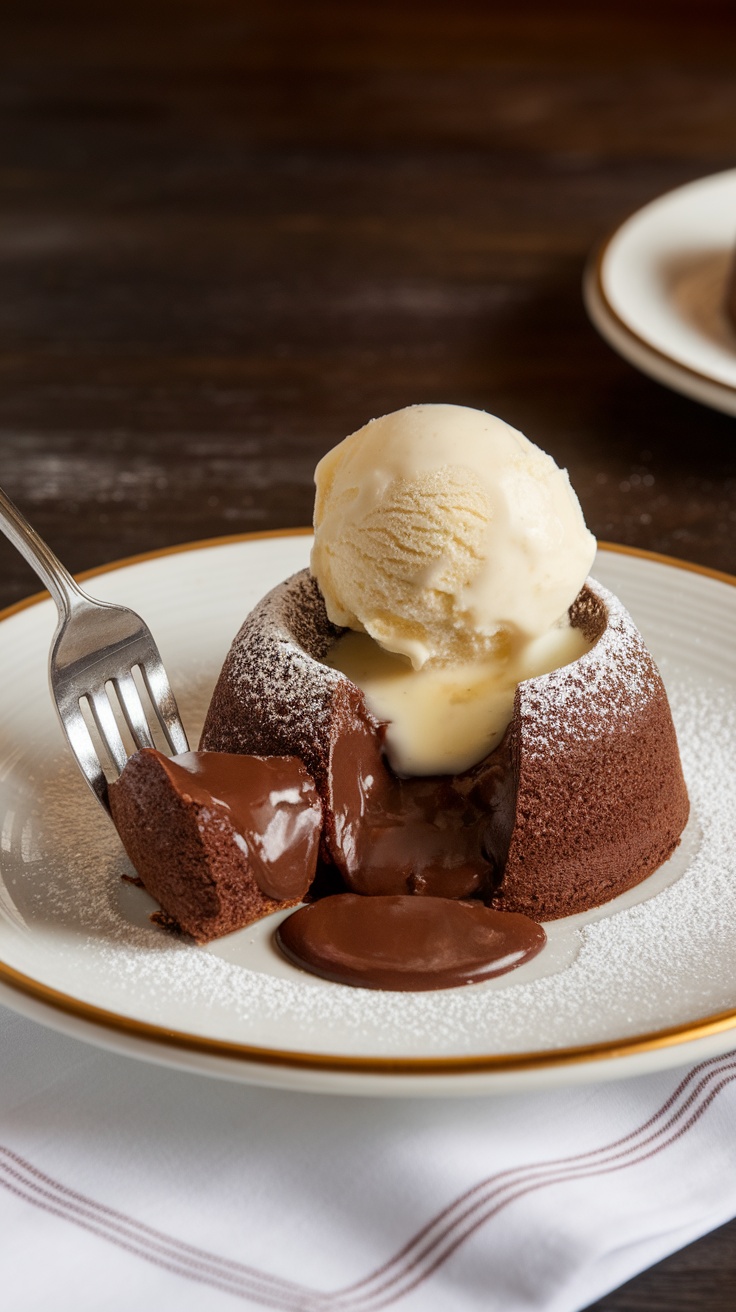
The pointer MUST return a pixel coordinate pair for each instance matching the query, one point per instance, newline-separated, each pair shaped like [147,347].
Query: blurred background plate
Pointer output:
[656,290]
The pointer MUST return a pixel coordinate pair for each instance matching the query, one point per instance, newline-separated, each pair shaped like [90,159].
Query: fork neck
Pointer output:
[65,591]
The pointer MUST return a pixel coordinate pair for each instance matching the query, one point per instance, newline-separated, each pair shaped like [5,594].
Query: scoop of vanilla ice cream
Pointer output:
[446,535]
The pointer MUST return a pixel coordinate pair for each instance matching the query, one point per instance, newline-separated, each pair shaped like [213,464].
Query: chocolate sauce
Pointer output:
[405,942]
[272,808]
[437,836]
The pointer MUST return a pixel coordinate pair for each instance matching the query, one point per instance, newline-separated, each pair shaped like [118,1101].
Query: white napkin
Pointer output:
[129,1186]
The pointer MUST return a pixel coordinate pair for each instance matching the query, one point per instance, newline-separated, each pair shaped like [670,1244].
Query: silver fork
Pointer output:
[96,645]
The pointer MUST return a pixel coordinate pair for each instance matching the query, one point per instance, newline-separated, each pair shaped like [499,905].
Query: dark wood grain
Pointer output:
[232,232]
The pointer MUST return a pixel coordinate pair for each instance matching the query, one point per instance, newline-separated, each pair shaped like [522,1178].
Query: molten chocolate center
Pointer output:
[440,837]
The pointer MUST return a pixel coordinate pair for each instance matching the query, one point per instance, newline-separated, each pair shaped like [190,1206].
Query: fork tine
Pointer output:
[95,644]
[164,704]
[80,741]
[132,708]
[107,725]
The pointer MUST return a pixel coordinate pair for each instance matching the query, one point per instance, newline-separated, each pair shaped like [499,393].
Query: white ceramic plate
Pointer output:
[646,981]
[656,290]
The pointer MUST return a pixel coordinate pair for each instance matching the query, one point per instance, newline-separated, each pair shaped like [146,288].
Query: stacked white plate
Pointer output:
[656,290]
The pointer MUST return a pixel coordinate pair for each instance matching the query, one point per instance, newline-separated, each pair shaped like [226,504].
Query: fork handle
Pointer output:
[64,590]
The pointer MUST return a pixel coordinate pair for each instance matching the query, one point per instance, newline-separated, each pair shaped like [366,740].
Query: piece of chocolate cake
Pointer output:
[583,798]
[218,840]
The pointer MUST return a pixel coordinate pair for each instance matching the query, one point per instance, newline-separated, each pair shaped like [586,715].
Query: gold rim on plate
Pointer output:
[701,1028]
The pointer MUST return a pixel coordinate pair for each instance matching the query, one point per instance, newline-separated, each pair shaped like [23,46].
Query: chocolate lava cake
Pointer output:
[583,798]
[219,841]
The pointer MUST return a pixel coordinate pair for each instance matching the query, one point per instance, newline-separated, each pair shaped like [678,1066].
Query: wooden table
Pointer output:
[232,232]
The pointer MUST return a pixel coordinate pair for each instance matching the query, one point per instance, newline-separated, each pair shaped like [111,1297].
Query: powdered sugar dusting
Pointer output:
[278,649]
[617,672]
[288,629]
